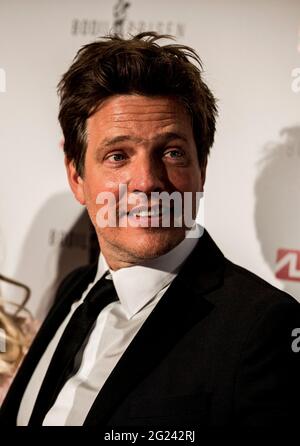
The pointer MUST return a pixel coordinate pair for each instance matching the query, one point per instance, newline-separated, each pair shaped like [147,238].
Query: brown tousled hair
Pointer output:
[138,65]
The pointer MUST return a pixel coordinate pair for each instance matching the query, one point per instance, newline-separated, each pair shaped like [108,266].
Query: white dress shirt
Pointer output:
[139,288]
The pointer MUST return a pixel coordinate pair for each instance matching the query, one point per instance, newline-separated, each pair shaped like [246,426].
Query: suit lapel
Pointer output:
[72,289]
[181,307]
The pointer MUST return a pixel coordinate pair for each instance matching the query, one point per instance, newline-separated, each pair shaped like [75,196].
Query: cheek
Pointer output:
[97,182]
[187,180]
[103,182]
[101,193]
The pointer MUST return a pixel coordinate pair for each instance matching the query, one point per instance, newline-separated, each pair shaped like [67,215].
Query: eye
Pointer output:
[116,157]
[174,153]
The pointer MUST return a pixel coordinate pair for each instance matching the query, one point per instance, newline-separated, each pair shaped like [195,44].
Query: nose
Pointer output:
[148,175]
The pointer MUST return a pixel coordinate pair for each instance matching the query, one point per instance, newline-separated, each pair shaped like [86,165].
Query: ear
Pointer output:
[75,181]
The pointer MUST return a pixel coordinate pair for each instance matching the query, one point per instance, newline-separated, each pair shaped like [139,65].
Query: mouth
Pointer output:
[148,212]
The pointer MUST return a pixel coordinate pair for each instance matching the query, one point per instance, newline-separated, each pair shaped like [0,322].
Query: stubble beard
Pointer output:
[151,243]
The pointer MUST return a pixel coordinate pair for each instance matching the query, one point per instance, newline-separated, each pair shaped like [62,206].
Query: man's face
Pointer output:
[147,144]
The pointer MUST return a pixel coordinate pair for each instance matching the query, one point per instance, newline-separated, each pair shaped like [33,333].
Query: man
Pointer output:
[164,329]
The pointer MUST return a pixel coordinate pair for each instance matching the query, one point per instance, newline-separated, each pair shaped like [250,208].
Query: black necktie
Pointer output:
[73,338]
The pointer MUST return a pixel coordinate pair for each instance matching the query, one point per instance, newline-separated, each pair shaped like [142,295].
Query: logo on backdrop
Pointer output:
[120,23]
[68,239]
[288,265]
[119,13]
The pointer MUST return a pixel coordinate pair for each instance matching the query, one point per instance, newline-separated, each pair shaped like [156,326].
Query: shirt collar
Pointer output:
[137,285]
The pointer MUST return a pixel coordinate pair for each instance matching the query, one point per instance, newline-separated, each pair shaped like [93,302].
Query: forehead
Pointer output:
[139,114]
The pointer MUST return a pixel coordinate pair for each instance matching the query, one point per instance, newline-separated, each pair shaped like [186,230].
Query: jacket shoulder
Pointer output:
[254,288]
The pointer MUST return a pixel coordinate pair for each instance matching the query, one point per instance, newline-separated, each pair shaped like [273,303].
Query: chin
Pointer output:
[152,243]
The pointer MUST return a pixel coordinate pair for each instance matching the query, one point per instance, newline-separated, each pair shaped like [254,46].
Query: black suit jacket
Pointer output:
[215,351]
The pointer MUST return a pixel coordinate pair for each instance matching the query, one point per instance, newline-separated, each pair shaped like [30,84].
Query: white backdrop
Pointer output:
[251,54]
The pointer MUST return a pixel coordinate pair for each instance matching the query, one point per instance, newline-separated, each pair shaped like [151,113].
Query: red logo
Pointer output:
[288,265]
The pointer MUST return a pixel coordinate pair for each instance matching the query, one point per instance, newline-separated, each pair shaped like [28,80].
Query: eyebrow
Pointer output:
[164,137]
[107,142]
